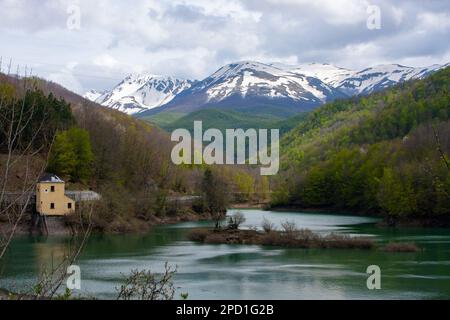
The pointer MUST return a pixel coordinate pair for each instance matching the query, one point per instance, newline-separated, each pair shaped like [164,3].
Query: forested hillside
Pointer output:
[93,147]
[387,152]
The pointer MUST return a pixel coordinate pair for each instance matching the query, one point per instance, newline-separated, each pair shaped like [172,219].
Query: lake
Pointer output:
[250,272]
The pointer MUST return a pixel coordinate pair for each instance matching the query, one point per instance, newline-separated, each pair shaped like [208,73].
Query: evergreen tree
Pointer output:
[71,155]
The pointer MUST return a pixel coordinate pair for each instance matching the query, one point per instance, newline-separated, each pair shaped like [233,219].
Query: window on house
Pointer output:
[69,205]
[52,205]
[52,188]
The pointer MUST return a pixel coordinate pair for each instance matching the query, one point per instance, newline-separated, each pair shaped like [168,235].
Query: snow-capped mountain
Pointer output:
[381,77]
[93,95]
[251,83]
[141,92]
[362,82]
[258,79]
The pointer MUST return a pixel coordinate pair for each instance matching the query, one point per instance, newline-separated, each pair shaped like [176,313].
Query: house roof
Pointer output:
[49,177]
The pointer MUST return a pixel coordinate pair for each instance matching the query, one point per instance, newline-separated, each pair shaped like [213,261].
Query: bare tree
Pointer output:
[268,226]
[290,229]
[236,220]
[21,166]
[439,148]
[442,155]
[15,116]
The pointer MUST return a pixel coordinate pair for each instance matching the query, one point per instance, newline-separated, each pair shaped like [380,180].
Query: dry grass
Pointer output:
[199,235]
[294,239]
[401,247]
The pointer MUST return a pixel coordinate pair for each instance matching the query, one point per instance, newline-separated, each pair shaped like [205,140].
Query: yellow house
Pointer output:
[51,198]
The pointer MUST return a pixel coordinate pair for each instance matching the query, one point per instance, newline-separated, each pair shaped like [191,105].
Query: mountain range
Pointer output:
[275,88]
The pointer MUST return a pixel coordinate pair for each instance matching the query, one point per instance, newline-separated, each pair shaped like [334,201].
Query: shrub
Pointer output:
[236,220]
[268,226]
[340,241]
[290,229]
[146,285]
[216,238]
[400,247]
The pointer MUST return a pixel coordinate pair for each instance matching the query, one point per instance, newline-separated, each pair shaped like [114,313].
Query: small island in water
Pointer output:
[289,236]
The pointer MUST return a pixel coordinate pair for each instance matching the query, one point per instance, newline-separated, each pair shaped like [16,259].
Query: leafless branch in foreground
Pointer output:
[145,285]
[16,198]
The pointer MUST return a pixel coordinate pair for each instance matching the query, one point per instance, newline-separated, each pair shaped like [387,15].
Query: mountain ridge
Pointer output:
[251,84]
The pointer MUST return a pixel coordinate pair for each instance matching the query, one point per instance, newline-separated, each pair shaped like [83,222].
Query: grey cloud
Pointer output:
[194,38]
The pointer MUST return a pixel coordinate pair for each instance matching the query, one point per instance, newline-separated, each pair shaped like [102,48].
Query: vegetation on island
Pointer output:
[289,236]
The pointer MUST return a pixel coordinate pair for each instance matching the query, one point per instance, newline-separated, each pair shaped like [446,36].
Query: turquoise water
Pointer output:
[251,272]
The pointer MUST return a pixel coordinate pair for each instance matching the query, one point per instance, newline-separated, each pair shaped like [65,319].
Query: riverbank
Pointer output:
[325,210]
[248,205]
[69,225]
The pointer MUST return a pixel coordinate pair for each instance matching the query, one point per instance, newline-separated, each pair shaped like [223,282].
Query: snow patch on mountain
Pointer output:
[249,78]
[141,92]
[381,77]
[93,95]
[327,73]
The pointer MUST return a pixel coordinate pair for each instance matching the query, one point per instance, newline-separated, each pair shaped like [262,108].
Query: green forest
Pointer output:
[385,153]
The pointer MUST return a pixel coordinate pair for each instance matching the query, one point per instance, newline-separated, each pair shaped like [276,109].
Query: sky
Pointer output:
[85,44]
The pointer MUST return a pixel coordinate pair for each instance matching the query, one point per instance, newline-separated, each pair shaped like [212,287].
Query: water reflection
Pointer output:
[253,272]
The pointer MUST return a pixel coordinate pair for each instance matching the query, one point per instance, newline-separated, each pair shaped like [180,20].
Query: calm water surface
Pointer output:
[251,272]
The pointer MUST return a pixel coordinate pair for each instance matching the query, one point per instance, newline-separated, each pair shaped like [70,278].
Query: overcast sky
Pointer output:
[193,38]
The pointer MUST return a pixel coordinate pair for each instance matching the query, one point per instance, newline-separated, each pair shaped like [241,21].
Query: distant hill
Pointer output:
[224,119]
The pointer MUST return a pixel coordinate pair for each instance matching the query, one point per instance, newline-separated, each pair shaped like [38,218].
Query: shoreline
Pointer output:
[248,205]
[324,210]
[60,226]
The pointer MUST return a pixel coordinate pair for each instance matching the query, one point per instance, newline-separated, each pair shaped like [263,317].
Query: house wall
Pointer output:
[45,197]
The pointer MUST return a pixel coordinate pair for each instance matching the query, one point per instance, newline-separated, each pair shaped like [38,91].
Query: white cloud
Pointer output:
[106,60]
[428,21]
